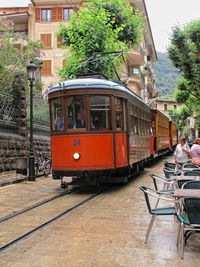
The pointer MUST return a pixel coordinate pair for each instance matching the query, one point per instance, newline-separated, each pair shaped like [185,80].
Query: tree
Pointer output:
[180,117]
[184,51]
[13,59]
[100,26]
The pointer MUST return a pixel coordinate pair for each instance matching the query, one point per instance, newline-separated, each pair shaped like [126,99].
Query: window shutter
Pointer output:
[46,39]
[54,14]
[60,13]
[46,68]
[37,14]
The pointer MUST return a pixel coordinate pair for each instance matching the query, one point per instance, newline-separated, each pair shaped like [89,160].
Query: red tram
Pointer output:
[100,130]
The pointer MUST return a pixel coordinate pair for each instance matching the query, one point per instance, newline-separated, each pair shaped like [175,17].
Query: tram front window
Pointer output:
[57,115]
[76,113]
[100,112]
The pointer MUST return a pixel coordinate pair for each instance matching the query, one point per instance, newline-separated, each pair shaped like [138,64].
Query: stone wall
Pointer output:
[14,138]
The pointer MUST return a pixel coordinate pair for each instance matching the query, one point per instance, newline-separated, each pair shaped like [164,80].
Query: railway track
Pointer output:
[12,215]
[44,224]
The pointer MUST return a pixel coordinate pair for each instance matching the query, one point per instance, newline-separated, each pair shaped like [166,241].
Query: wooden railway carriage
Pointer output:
[173,135]
[115,135]
[160,133]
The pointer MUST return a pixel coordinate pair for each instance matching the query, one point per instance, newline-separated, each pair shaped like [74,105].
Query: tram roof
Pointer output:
[93,83]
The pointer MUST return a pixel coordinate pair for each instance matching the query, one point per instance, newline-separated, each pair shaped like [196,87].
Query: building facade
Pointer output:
[40,21]
[164,104]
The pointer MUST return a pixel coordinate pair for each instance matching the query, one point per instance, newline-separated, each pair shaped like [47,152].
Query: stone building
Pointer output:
[40,21]
[164,104]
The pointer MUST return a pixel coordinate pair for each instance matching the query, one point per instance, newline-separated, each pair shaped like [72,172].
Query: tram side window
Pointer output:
[119,114]
[135,125]
[76,113]
[100,112]
[57,115]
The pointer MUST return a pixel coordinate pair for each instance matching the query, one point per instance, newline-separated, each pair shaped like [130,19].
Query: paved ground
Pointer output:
[10,177]
[108,231]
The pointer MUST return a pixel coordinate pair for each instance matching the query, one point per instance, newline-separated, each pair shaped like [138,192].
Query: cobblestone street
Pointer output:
[107,231]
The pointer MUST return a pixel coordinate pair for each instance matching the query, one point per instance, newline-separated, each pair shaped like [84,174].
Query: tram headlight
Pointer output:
[76,156]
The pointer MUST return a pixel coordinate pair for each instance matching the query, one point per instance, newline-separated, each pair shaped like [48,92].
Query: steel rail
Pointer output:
[43,225]
[9,216]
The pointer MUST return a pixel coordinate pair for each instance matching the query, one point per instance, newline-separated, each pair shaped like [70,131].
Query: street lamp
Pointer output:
[31,69]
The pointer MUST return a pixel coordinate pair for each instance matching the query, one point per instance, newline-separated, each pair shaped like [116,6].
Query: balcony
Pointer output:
[136,57]
[138,78]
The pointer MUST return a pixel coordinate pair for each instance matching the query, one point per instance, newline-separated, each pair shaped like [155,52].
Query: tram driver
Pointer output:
[80,123]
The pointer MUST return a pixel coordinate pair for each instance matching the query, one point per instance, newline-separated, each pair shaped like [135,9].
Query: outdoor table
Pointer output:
[190,169]
[183,177]
[186,193]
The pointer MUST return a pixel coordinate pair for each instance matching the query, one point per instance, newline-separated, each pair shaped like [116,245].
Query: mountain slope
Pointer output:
[166,75]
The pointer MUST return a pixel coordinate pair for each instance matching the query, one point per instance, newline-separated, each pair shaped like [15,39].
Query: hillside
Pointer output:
[166,75]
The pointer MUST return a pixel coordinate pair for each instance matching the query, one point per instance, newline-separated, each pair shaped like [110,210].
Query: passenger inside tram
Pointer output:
[58,123]
[80,123]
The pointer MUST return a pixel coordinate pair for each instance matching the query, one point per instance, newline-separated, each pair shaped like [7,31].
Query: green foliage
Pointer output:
[184,52]
[166,75]
[180,117]
[100,27]
[14,59]
[124,17]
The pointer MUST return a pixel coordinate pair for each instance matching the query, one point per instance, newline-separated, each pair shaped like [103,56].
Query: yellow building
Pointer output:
[39,21]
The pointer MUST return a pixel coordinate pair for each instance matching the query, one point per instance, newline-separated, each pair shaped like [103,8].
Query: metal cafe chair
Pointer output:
[191,185]
[190,165]
[189,220]
[170,165]
[182,182]
[192,173]
[155,211]
[168,184]
[171,172]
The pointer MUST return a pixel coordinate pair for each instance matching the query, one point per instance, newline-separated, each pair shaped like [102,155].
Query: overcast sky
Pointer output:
[14,3]
[163,14]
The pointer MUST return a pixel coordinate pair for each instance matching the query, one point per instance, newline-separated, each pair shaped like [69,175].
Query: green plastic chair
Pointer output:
[155,211]
[170,165]
[189,221]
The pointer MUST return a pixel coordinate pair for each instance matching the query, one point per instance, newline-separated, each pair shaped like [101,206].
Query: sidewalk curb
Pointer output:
[12,181]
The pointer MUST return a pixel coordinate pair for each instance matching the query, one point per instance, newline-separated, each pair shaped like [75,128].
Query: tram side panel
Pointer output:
[162,130]
[121,150]
[139,132]
[160,140]
[139,148]
[174,135]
